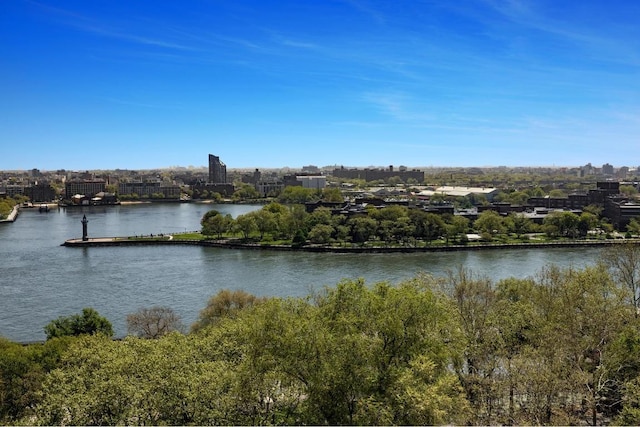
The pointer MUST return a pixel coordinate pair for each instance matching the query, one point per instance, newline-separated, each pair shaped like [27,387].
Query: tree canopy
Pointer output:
[89,322]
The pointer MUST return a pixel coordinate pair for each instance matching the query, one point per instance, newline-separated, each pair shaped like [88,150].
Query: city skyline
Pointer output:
[147,85]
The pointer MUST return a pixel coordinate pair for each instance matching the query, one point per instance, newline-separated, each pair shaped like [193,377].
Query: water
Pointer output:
[41,280]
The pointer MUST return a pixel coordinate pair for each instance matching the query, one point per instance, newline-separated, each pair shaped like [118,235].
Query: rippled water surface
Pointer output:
[41,280]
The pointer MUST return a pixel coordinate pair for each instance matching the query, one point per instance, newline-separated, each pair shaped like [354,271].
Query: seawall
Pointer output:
[124,241]
[13,215]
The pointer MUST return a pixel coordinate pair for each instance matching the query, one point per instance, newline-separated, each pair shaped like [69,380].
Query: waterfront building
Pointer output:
[217,170]
[149,189]
[86,187]
[40,192]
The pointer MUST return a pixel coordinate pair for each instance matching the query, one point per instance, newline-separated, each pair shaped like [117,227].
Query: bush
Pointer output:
[89,323]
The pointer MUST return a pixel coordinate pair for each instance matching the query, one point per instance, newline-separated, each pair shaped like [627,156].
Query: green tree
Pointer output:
[475,299]
[587,222]
[332,195]
[297,195]
[561,223]
[225,304]
[246,192]
[456,226]
[22,372]
[265,221]
[214,223]
[623,261]
[489,222]
[174,383]
[362,229]
[321,233]
[245,224]
[628,190]
[89,322]
[634,227]
[558,194]
[519,224]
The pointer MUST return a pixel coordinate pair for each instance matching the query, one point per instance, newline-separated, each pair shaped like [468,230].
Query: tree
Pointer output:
[89,322]
[135,381]
[265,221]
[153,322]
[489,222]
[519,224]
[246,192]
[297,195]
[321,215]
[557,194]
[321,233]
[213,222]
[634,227]
[246,224]
[362,229]
[332,195]
[628,190]
[561,223]
[22,371]
[475,298]
[224,304]
[586,222]
[623,261]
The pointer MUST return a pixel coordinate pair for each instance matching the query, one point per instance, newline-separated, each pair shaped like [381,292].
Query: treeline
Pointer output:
[560,348]
[395,225]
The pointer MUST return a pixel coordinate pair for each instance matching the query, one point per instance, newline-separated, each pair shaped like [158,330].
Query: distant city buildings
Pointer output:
[380,174]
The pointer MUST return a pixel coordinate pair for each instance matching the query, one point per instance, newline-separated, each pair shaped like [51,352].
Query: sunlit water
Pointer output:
[41,280]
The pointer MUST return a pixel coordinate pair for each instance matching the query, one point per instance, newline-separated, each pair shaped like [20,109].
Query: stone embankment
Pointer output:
[228,244]
[13,215]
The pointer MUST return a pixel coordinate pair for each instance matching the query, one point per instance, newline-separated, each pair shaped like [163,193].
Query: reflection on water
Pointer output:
[41,280]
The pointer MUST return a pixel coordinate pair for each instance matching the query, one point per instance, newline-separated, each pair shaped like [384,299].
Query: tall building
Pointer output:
[217,170]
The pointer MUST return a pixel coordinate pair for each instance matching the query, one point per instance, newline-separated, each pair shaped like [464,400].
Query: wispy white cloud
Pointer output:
[398,106]
[89,25]
[365,7]
[143,104]
[600,43]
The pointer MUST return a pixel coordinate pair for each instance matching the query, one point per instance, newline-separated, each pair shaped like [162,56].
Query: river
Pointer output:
[41,280]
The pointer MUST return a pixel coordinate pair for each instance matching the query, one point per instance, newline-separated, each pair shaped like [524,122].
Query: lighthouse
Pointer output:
[84,221]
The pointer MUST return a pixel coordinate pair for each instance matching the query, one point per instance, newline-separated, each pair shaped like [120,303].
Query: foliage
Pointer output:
[332,195]
[246,192]
[22,371]
[561,224]
[224,304]
[89,322]
[560,348]
[298,195]
[489,222]
[623,260]
[213,222]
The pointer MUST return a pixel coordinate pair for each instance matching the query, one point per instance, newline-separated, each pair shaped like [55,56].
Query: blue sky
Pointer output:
[140,84]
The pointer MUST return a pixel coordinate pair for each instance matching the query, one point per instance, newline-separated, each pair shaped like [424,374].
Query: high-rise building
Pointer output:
[217,170]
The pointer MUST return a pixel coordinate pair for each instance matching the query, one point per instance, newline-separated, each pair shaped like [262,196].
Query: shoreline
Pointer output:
[12,216]
[128,241]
